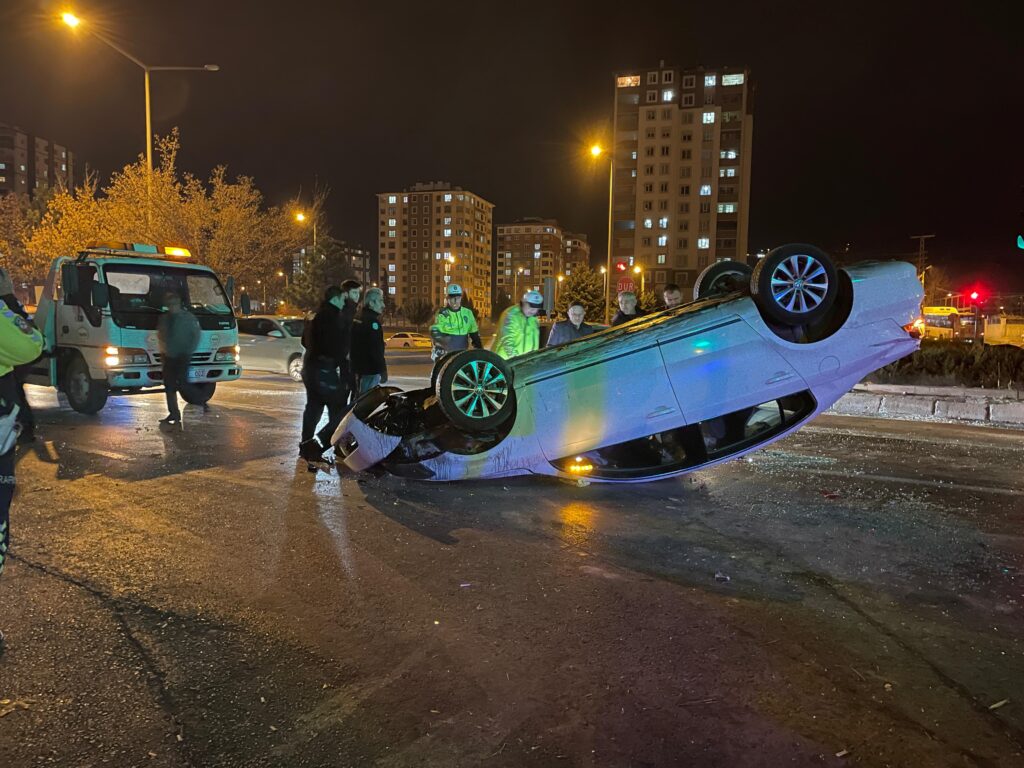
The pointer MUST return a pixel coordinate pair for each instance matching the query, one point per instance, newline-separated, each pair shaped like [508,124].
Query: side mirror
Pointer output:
[69,282]
[276,334]
[231,289]
[100,294]
[246,304]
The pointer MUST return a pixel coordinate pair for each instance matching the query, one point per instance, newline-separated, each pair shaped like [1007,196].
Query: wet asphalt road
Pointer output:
[850,596]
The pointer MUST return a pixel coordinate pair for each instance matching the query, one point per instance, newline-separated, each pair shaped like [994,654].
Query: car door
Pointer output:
[251,341]
[602,401]
[724,365]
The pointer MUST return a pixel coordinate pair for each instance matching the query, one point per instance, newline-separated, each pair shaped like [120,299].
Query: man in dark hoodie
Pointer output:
[325,367]
[178,334]
[368,361]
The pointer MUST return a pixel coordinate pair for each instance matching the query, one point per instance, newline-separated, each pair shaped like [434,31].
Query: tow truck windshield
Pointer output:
[137,292]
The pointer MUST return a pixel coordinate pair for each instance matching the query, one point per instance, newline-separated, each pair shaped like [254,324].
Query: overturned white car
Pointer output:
[752,358]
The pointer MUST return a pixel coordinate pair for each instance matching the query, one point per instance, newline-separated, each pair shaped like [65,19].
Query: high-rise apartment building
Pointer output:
[28,162]
[681,173]
[532,249]
[431,235]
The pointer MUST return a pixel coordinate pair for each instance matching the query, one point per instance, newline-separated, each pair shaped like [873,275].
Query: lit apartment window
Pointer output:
[732,79]
[663,222]
[707,118]
[662,240]
[392,199]
[703,242]
[661,258]
[726,173]
[392,278]
[536,254]
[648,224]
[392,290]
[437,256]
[536,246]
[668,94]
[633,154]
[3,166]
[391,267]
[705,190]
[405,198]
[391,233]
[3,179]
[727,207]
[633,173]
[447,233]
[710,80]
[728,154]
[448,198]
[392,222]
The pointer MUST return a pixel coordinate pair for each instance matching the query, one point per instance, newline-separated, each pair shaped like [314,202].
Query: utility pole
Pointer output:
[921,251]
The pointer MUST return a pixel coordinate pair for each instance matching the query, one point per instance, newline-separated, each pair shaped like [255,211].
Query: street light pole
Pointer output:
[73,21]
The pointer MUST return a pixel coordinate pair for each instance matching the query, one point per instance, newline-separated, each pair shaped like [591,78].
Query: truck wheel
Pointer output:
[85,394]
[198,394]
[720,278]
[475,391]
[295,368]
[795,284]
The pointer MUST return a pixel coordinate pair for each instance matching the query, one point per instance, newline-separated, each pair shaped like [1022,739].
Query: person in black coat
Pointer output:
[628,309]
[325,367]
[368,363]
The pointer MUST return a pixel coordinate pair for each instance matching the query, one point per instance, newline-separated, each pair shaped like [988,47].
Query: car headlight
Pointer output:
[131,356]
[227,355]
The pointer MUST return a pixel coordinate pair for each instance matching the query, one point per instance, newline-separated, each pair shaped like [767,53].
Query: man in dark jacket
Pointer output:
[178,335]
[367,352]
[628,309]
[574,328]
[325,367]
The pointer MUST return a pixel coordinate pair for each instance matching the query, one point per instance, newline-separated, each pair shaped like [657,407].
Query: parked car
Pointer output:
[685,388]
[272,343]
[405,339]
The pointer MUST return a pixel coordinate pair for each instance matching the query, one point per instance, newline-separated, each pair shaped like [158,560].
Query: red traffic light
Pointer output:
[974,295]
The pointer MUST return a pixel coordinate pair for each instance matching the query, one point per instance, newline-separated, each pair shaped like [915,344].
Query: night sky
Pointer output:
[873,122]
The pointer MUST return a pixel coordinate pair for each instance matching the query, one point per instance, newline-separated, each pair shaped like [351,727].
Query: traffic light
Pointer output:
[621,265]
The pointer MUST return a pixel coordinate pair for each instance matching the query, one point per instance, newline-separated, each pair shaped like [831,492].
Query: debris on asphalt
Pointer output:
[10,705]
[719,576]
[465,584]
[829,494]
[842,753]
[999,704]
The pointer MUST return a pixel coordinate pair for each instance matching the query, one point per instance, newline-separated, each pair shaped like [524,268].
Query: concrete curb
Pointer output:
[986,406]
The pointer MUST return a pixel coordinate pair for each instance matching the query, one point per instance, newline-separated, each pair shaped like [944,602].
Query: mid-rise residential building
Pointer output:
[28,162]
[433,234]
[531,249]
[357,258]
[681,174]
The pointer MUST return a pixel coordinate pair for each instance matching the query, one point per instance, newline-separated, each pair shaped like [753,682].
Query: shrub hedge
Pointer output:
[957,363]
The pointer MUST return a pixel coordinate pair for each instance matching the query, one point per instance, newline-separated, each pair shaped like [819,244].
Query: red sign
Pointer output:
[626,284]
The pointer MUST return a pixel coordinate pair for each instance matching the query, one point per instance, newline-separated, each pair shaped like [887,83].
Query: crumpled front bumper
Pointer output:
[359,445]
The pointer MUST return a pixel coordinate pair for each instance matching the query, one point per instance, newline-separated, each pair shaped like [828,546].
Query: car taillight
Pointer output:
[916,328]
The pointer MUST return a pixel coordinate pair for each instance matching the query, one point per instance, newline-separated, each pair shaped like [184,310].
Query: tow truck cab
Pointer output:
[99,312]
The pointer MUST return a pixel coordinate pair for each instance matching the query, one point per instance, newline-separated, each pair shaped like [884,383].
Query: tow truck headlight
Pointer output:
[130,356]
[227,355]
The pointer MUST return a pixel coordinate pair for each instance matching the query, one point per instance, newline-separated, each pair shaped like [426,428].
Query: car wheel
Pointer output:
[439,363]
[475,391]
[295,368]
[721,277]
[198,394]
[406,344]
[795,284]
[85,394]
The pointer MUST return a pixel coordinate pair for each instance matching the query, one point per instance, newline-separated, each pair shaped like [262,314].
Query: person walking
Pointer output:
[25,416]
[455,326]
[574,328]
[628,309]
[20,343]
[178,335]
[367,352]
[325,371]
[351,290]
[519,328]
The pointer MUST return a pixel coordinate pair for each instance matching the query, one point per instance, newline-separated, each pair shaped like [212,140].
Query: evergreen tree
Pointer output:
[418,312]
[584,286]
[326,266]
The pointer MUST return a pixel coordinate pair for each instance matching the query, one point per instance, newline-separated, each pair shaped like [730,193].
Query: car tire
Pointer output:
[721,277]
[439,363]
[474,390]
[295,368]
[406,344]
[198,394]
[795,284]
[85,394]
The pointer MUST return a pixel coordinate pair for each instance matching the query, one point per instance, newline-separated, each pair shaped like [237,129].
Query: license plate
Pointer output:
[197,373]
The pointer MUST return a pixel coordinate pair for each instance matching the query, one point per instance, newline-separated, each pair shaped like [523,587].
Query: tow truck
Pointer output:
[98,314]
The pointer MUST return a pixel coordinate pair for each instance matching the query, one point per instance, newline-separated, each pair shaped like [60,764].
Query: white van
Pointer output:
[98,315]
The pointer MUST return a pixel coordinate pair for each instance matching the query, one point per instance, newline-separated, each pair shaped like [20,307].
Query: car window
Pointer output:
[400,336]
[294,327]
[264,327]
[245,325]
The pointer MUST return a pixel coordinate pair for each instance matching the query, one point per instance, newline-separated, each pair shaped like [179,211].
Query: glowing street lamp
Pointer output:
[73,21]
[596,150]
[301,218]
